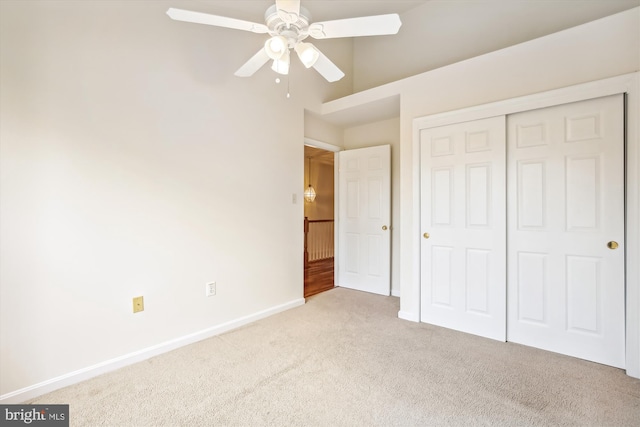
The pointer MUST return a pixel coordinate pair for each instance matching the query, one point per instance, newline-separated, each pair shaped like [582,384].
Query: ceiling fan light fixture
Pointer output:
[276,47]
[288,23]
[307,53]
[281,65]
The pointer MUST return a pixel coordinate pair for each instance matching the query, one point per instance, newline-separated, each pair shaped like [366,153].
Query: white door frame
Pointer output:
[629,84]
[336,200]
[336,196]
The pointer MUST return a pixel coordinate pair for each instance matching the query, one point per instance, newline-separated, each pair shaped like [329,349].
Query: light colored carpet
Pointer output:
[345,359]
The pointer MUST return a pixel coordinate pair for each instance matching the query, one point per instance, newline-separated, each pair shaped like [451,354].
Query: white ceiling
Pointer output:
[320,10]
[446,31]
[442,32]
[318,155]
[434,33]
[324,10]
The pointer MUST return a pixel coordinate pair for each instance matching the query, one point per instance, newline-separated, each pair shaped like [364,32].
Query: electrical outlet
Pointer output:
[138,304]
[210,289]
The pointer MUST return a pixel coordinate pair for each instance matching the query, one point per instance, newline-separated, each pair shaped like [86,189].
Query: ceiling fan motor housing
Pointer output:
[292,27]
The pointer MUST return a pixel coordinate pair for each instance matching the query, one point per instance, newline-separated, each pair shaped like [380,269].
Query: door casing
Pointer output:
[335,149]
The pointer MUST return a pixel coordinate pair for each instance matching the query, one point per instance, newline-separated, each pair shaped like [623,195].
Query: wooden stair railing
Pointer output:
[318,239]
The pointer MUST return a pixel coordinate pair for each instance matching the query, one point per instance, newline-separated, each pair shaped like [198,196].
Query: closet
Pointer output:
[522,223]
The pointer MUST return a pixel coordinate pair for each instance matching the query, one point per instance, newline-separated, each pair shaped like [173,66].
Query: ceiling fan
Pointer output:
[288,24]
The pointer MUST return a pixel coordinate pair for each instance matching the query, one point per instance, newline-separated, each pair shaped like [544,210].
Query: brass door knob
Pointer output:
[384,227]
[425,235]
[612,245]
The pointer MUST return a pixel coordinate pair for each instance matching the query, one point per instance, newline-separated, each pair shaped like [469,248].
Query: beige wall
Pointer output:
[317,129]
[133,162]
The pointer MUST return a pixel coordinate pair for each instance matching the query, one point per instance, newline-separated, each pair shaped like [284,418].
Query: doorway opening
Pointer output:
[319,246]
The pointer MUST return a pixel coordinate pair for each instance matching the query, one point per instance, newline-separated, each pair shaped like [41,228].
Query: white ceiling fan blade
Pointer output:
[253,64]
[218,21]
[327,69]
[355,27]
[288,10]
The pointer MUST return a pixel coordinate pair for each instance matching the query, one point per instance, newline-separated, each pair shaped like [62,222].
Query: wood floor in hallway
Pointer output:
[318,276]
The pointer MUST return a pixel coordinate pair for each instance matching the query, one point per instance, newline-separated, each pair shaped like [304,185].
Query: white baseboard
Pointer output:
[405,315]
[24,394]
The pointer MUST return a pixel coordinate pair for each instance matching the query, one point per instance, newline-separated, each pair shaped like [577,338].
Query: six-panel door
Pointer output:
[364,215]
[463,249]
[566,204]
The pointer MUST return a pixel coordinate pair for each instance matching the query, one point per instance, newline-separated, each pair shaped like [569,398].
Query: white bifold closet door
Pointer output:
[463,250]
[566,229]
